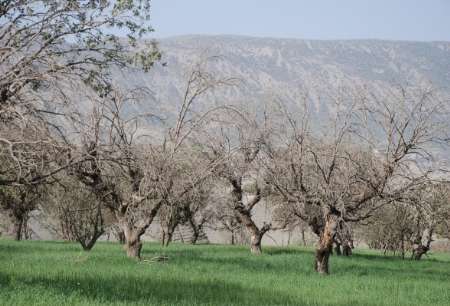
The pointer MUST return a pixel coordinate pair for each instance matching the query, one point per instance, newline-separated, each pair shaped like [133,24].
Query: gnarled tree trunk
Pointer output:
[132,232]
[256,234]
[325,245]
[133,244]
[244,214]
[255,243]
[423,244]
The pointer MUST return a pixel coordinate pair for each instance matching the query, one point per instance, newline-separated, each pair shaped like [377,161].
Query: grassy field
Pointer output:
[58,273]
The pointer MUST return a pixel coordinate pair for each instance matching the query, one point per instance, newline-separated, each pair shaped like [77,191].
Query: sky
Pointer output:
[417,20]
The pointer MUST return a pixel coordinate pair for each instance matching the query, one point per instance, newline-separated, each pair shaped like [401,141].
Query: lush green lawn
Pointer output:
[57,273]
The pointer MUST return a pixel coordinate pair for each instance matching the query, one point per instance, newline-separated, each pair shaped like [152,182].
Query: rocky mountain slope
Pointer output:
[289,68]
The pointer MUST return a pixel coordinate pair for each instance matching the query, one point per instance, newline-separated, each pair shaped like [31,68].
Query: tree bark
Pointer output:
[88,245]
[321,260]
[346,250]
[195,236]
[337,249]
[120,235]
[303,236]
[255,246]
[16,230]
[244,215]
[133,248]
[133,233]
[169,234]
[325,245]
[169,237]
[133,244]
[419,251]
[163,237]
[196,229]
[423,245]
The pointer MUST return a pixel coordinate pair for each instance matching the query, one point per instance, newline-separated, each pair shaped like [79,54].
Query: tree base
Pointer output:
[133,249]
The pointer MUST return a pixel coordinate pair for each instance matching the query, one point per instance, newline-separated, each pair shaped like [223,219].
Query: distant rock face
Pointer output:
[289,68]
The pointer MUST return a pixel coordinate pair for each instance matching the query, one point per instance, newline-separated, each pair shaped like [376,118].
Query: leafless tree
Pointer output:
[411,224]
[197,213]
[224,217]
[77,212]
[237,139]
[44,46]
[192,209]
[372,151]
[42,41]
[431,206]
[135,174]
[17,203]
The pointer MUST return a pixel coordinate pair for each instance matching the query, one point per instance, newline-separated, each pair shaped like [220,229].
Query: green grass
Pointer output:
[59,273]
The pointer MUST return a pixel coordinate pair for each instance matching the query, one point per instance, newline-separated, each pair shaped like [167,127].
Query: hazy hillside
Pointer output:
[288,67]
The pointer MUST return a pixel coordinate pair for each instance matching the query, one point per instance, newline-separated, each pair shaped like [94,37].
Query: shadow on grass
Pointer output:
[144,291]
[302,262]
[288,252]
[391,258]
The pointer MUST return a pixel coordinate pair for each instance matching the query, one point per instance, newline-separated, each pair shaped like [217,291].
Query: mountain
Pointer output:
[289,68]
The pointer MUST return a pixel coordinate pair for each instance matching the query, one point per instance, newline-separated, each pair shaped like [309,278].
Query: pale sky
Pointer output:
[423,20]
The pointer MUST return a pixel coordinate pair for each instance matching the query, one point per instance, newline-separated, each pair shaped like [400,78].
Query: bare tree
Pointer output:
[135,174]
[196,211]
[45,46]
[365,157]
[79,215]
[237,139]
[42,41]
[18,202]
[190,209]
[409,225]
[224,217]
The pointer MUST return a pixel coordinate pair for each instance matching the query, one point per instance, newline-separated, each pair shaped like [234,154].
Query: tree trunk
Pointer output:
[337,249]
[346,250]
[423,245]
[196,229]
[325,246]
[133,248]
[303,237]
[402,245]
[255,247]
[169,237]
[133,244]
[169,234]
[244,215]
[89,243]
[120,236]
[256,234]
[195,236]
[321,260]
[16,228]
[419,251]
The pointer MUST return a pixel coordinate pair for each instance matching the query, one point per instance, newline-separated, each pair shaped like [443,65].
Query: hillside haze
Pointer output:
[289,68]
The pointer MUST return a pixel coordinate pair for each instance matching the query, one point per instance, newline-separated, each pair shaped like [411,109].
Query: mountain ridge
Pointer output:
[289,68]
